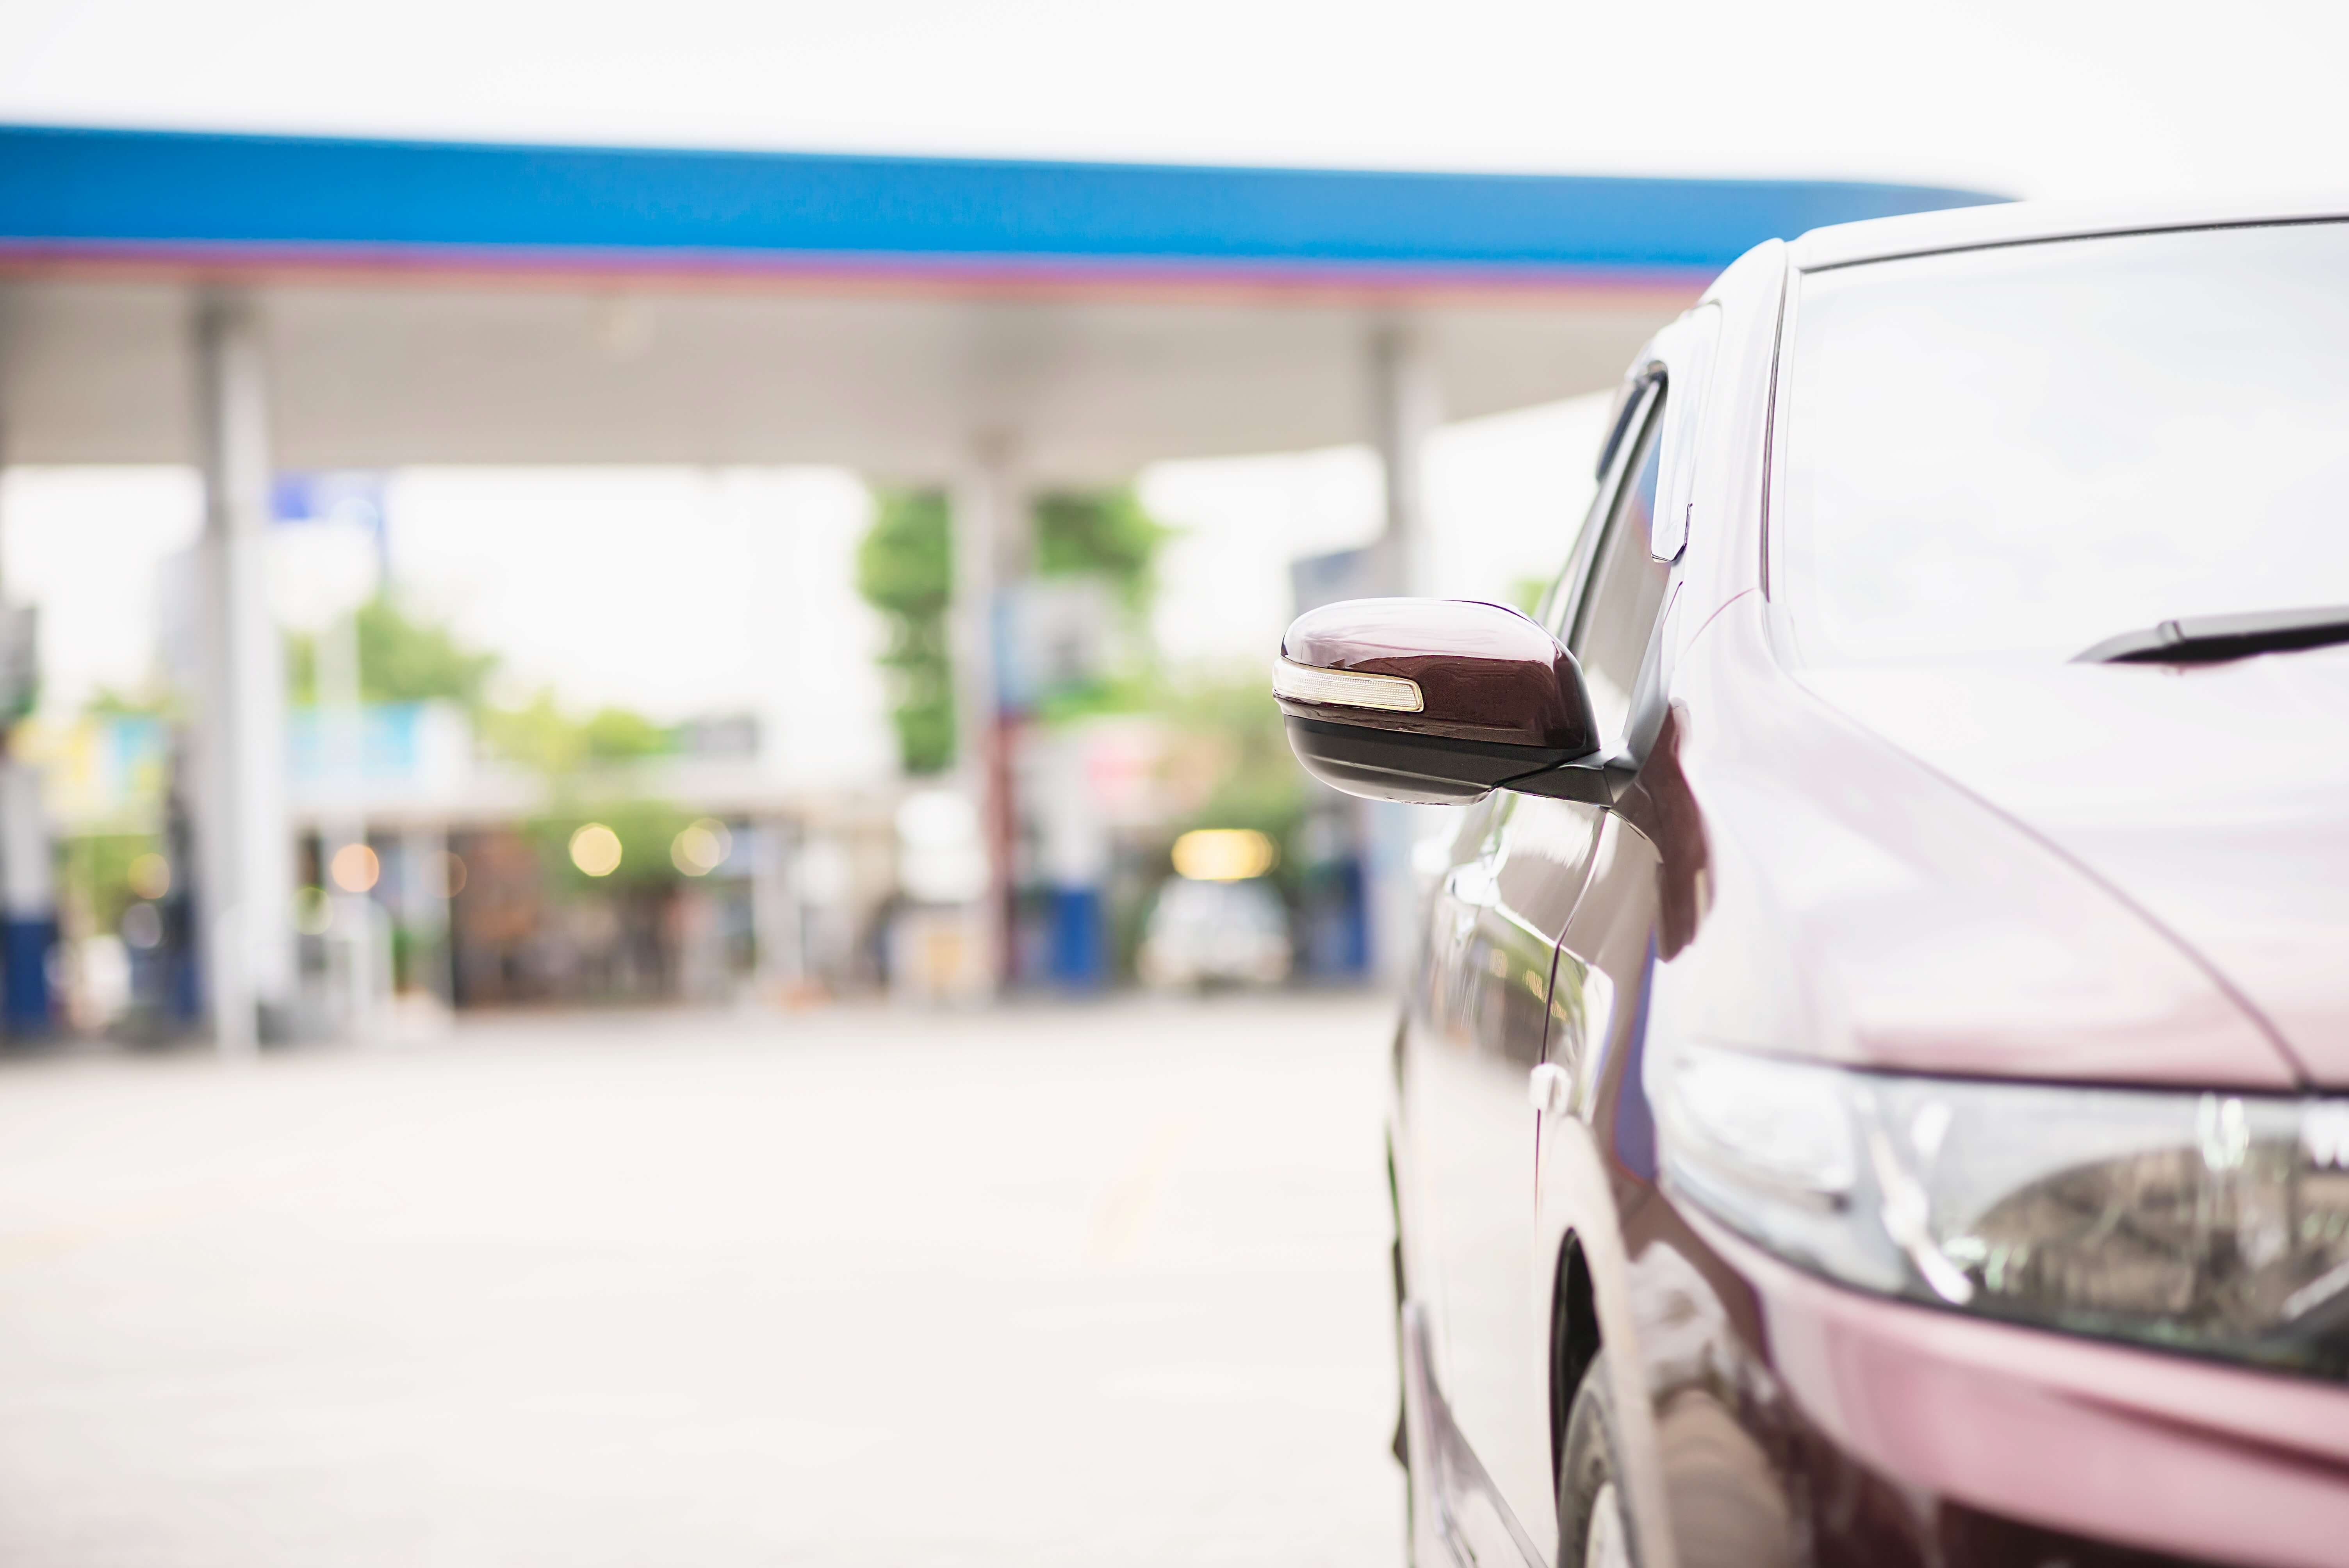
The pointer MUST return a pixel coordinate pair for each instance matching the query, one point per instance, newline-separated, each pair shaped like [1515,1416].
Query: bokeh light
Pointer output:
[595,850]
[356,867]
[150,876]
[701,848]
[142,928]
[1224,854]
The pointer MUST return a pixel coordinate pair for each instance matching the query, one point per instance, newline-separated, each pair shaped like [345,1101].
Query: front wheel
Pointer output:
[1593,1528]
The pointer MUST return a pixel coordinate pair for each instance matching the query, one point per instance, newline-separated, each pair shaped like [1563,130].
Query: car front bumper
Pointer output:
[1883,1433]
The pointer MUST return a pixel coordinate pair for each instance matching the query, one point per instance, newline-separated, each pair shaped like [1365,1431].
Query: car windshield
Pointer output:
[2016,453]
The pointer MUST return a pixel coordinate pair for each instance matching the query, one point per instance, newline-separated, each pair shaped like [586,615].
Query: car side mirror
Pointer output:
[1434,701]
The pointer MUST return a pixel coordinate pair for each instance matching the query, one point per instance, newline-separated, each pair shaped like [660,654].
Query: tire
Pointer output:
[1594,1526]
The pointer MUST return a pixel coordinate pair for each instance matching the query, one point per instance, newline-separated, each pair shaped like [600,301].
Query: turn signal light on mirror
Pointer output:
[1345,688]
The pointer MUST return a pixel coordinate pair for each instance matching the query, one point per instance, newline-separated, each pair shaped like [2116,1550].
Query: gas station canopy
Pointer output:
[251,304]
[444,303]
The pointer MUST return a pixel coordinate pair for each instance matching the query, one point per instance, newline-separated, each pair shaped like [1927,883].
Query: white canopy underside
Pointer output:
[900,385]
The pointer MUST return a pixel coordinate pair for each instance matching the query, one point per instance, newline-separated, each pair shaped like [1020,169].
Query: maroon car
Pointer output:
[1907,864]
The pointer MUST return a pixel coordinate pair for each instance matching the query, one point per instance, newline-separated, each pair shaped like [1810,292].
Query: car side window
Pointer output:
[1624,592]
[1558,605]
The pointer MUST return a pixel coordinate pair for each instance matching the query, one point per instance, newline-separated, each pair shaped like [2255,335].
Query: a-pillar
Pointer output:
[244,872]
[1406,404]
[989,530]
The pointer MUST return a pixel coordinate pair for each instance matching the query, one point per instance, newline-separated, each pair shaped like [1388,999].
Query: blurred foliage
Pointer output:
[97,872]
[1527,593]
[1103,531]
[402,658]
[94,868]
[540,736]
[1105,534]
[1140,692]
[107,701]
[904,569]
[906,564]
[1230,753]
[406,658]
[616,735]
[537,735]
[646,828]
[406,949]
[1231,725]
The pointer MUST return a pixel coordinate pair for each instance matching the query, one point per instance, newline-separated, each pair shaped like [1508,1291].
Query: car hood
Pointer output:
[2213,799]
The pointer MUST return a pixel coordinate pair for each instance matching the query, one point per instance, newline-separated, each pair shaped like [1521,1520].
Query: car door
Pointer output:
[1479,1033]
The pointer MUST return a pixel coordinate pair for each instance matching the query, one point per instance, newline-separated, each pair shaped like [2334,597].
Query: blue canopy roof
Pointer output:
[67,194]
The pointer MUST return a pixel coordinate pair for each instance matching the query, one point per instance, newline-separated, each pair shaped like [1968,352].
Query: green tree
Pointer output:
[108,702]
[97,874]
[1103,531]
[402,658]
[1105,534]
[646,829]
[904,569]
[616,735]
[1258,783]
[539,735]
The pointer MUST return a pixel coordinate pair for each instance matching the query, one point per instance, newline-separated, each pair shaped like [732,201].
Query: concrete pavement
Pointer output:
[1095,1286]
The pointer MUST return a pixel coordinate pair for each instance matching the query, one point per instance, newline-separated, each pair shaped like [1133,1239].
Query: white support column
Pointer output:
[358,945]
[245,847]
[29,905]
[28,909]
[777,924]
[1407,405]
[985,507]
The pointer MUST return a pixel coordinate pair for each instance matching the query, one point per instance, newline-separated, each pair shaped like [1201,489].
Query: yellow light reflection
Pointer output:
[355,867]
[1224,854]
[701,848]
[150,876]
[595,850]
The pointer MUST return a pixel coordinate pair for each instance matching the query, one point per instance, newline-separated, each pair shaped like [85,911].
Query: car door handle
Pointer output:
[1549,1089]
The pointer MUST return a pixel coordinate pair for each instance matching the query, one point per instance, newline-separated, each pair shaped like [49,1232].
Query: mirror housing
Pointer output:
[1430,701]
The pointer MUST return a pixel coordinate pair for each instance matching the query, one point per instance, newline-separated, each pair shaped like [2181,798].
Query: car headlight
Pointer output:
[2216,1223]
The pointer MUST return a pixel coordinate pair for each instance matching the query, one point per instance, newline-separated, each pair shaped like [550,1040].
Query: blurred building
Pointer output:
[254,304]
[738,883]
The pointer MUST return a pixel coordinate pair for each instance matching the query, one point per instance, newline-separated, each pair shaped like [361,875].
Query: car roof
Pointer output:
[2019,222]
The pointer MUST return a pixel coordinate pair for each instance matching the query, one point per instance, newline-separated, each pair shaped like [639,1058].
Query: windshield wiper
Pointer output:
[2209,639]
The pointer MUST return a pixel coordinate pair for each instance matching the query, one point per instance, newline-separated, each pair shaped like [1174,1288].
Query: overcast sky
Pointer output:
[2033,100]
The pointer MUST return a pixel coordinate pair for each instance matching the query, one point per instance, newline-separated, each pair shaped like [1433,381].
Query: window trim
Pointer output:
[1653,434]
[1644,391]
